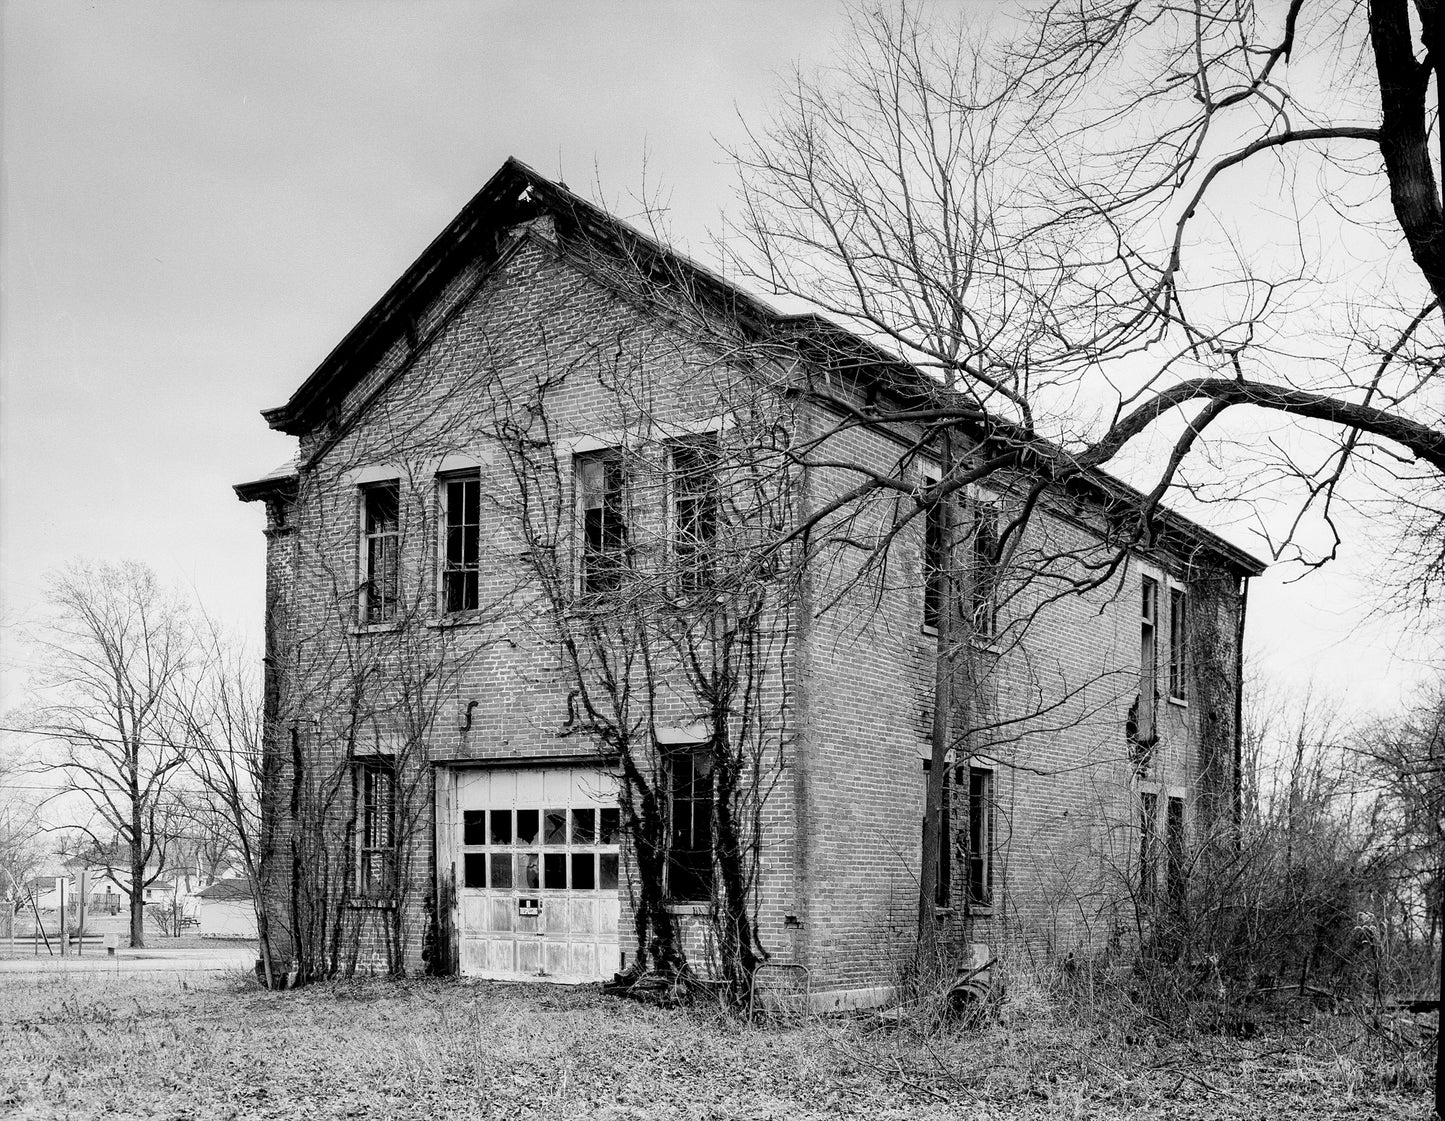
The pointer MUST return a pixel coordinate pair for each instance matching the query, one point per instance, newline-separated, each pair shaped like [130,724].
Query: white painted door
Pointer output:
[537,872]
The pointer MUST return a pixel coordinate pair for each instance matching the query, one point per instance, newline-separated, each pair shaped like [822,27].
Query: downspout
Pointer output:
[1238,799]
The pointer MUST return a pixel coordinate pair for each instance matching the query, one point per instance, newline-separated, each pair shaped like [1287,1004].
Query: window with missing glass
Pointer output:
[380,553]
[602,511]
[1147,704]
[935,548]
[985,570]
[461,498]
[1148,846]
[980,836]
[693,482]
[1178,650]
[1176,844]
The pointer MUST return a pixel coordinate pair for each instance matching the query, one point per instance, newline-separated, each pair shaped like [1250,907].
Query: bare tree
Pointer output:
[224,720]
[118,649]
[20,830]
[1056,250]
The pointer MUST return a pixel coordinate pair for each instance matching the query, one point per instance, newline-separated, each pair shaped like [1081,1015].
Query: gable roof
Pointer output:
[516,194]
[226,890]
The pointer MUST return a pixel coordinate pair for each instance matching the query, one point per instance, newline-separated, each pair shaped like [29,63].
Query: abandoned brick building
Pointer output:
[538,582]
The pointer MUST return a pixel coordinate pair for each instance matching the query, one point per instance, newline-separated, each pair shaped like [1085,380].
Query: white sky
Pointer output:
[200,199]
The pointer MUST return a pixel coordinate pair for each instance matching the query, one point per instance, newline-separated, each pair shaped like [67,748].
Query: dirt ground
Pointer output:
[203,1047]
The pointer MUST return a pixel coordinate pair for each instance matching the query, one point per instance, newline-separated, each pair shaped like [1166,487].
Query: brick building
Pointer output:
[541,609]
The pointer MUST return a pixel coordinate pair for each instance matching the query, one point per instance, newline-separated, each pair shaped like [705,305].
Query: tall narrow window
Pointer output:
[376,834]
[694,512]
[380,588]
[1175,842]
[1178,637]
[934,549]
[980,836]
[943,883]
[1148,846]
[461,564]
[985,570]
[1148,671]
[689,859]
[602,502]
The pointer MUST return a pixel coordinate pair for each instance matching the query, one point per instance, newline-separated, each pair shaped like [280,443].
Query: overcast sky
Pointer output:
[200,199]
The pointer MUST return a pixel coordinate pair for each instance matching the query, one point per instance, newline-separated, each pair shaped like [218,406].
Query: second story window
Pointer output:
[461,564]
[1148,661]
[1178,634]
[602,511]
[933,554]
[985,570]
[694,512]
[381,546]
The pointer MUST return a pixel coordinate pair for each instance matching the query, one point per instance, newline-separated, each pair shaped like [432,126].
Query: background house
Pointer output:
[541,612]
[226,909]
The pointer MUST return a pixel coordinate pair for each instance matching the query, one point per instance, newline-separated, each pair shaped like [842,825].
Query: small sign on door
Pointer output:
[529,907]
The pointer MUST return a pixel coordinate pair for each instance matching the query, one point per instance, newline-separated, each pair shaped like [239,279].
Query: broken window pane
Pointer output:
[554,870]
[607,871]
[556,828]
[584,827]
[608,827]
[501,870]
[474,869]
[526,827]
[474,829]
[527,871]
[583,872]
[501,821]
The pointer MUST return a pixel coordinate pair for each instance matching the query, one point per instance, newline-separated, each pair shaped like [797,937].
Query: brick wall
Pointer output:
[575,362]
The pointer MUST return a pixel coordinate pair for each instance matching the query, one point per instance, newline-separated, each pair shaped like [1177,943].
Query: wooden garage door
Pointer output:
[537,870]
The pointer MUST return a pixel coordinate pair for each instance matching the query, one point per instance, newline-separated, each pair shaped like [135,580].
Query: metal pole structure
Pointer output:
[80,909]
[60,884]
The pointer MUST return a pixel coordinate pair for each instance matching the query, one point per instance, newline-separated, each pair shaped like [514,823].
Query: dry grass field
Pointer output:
[217,1047]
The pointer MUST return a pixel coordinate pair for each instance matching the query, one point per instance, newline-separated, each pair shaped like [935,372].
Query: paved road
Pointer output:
[230,956]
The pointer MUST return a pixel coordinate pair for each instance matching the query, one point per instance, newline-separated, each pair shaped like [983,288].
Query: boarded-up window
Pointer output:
[376,834]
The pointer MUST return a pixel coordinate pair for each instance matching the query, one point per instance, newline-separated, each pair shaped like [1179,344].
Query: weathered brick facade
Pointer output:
[534,331]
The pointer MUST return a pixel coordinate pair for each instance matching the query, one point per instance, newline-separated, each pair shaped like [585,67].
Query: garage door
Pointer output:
[538,853]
